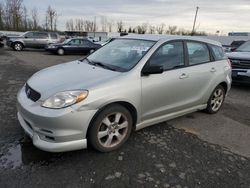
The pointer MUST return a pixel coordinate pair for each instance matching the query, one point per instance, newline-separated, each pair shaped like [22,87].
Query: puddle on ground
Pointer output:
[24,153]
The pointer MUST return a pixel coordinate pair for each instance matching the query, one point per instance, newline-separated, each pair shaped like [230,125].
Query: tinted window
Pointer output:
[75,42]
[169,56]
[218,53]
[244,47]
[53,35]
[29,35]
[40,35]
[86,42]
[198,53]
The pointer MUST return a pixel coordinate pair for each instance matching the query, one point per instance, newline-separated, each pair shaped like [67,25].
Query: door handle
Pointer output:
[183,76]
[213,69]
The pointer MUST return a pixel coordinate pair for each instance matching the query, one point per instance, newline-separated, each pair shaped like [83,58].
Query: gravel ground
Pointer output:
[185,152]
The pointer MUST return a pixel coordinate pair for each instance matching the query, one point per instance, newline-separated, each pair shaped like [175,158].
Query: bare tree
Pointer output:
[70,25]
[142,29]
[120,26]
[151,29]
[110,25]
[89,26]
[13,14]
[79,24]
[51,19]
[172,30]
[104,23]
[34,17]
[160,28]
[1,16]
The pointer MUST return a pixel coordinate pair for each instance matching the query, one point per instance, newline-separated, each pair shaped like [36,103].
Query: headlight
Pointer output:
[65,99]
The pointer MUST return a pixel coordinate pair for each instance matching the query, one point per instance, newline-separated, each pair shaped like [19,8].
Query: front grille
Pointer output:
[240,64]
[31,93]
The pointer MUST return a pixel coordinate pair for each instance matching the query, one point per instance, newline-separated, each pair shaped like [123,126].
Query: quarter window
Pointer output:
[198,53]
[169,56]
[218,53]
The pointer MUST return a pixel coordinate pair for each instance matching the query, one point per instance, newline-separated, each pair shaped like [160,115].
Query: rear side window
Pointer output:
[86,42]
[53,35]
[218,53]
[40,35]
[198,53]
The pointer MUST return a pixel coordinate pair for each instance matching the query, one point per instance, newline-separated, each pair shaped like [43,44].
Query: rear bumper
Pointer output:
[241,76]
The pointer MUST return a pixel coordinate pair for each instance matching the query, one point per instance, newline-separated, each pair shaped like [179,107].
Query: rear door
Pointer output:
[86,46]
[200,72]
[41,39]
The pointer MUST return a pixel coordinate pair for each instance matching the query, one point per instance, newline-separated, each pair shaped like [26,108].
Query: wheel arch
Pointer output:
[224,85]
[15,42]
[131,108]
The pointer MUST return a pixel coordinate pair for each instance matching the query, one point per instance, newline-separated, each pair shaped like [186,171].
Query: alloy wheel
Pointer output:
[112,130]
[217,99]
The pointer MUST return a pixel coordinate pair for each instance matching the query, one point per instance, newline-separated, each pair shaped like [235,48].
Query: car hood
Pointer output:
[69,76]
[239,55]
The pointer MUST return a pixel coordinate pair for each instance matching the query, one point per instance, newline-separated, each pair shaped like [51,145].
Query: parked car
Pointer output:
[33,39]
[1,41]
[240,60]
[73,46]
[126,85]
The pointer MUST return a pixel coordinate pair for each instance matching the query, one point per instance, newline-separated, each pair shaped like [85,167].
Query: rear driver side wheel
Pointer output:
[110,129]
[216,100]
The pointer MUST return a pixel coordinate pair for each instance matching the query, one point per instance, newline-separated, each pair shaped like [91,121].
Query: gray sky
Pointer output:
[223,15]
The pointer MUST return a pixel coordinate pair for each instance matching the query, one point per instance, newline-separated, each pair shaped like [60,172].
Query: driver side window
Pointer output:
[29,35]
[170,56]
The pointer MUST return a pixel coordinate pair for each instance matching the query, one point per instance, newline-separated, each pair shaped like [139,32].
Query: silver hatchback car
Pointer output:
[131,83]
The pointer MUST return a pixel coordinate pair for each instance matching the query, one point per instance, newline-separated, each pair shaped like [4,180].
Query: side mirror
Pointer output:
[152,69]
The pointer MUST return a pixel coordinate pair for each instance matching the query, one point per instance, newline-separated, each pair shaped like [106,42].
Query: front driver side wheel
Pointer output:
[60,51]
[18,46]
[110,129]
[216,100]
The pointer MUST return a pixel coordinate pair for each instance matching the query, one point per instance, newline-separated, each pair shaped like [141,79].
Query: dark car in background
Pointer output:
[1,40]
[33,39]
[240,60]
[73,46]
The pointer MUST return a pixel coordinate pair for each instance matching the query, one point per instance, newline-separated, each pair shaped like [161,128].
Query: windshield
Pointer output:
[244,47]
[66,41]
[121,54]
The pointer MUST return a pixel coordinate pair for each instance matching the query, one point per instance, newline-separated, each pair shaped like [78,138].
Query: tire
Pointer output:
[113,125]
[91,51]
[60,51]
[18,46]
[216,100]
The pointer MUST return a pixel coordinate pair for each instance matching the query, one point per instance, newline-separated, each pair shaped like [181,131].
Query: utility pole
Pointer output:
[197,8]
[94,27]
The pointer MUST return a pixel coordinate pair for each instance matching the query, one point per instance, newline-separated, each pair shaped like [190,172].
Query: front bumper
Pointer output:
[241,76]
[53,130]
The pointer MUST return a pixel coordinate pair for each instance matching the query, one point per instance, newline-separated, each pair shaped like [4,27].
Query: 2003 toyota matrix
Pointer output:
[128,84]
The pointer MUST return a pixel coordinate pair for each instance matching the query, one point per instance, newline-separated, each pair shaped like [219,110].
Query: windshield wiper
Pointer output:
[103,66]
